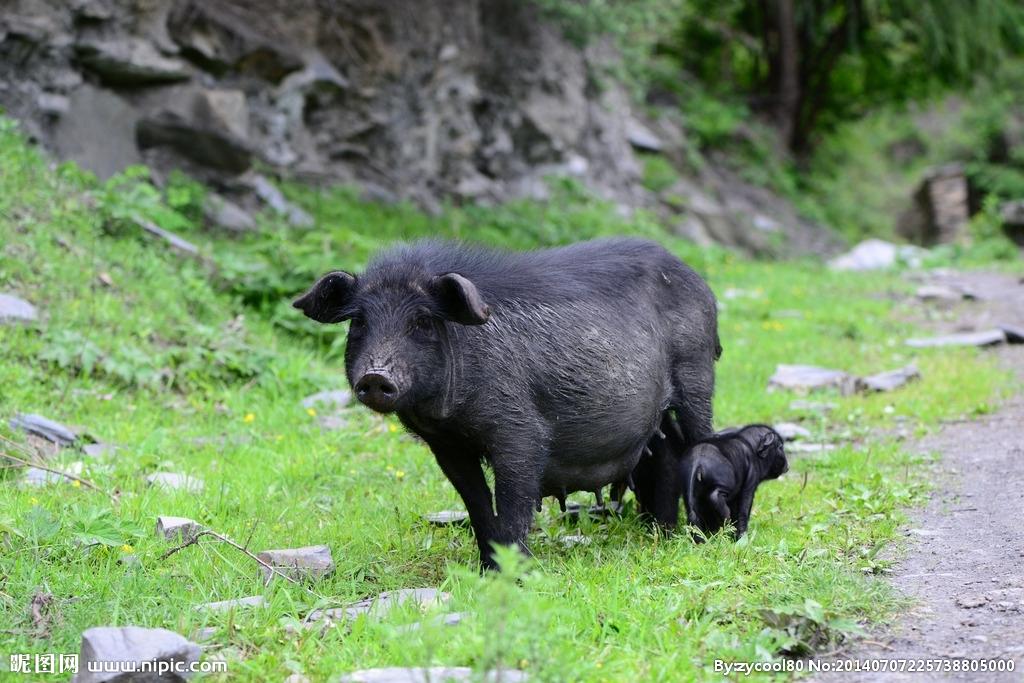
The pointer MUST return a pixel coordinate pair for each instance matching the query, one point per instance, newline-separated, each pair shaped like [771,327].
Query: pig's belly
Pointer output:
[578,468]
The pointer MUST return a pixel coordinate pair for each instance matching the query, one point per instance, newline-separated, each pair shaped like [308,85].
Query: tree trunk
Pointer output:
[784,60]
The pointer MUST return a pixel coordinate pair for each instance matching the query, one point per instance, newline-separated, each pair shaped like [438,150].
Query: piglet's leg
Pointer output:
[743,511]
[467,476]
[718,499]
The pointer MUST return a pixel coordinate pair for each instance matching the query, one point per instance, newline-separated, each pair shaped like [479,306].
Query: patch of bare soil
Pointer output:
[964,567]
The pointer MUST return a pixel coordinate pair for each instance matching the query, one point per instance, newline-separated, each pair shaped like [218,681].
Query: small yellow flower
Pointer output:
[392,428]
[523,663]
[600,664]
[389,468]
[399,474]
[34,500]
[249,417]
[77,484]
[311,412]
[773,325]
[127,548]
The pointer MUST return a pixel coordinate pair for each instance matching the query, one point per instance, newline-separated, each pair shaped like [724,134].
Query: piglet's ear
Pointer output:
[768,441]
[325,301]
[460,300]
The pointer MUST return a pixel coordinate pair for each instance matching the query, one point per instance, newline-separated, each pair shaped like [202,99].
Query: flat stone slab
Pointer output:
[448,518]
[433,674]
[99,450]
[302,564]
[811,378]
[574,540]
[175,481]
[177,528]
[34,476]
[15,310]
[338,398]
[46,428]
[378,606]
[983,338]
[790,431]
[449,619]
[130,644]
[944,293]
[225,605]
[893,379]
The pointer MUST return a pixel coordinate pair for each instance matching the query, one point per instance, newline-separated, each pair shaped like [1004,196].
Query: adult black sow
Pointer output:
[552,366]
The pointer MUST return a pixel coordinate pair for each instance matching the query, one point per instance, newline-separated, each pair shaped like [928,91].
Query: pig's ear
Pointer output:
[328,299]
[460,300]
[768,441]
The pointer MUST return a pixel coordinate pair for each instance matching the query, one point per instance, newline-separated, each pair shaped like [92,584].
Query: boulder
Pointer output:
[52,431]
[983,338]
[940,209]
[302,564]
[893,379]
[104,644]
[130,62]
[811,378]
[226,215]
[98,131]
[15,310]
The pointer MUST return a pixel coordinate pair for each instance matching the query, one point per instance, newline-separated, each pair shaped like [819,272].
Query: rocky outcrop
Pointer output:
[940,210]
[432,100]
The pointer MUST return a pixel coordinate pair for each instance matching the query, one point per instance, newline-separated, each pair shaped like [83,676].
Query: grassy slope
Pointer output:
[162,358]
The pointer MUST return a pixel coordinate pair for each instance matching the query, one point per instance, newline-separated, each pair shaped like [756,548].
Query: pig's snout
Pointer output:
[377,391]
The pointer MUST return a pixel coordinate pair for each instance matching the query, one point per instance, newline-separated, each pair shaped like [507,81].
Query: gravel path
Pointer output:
[964,567]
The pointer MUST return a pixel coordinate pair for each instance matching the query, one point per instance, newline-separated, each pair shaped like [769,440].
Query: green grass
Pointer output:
[177,351]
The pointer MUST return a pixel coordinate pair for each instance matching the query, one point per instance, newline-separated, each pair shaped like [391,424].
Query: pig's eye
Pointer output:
[356,324]
[423,324]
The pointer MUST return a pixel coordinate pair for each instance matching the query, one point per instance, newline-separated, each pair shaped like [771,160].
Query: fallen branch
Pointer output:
[224,539]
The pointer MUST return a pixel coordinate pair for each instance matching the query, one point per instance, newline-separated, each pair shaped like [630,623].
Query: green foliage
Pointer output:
[659,173]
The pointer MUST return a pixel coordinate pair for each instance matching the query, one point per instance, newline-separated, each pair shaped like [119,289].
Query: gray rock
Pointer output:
[226,605]
[52,431]
[35,476]
[98,131]
[641,137]
[273,198]
[337,398]
[196,139]
[803,447]
[131,644]
[377,607]
[983,338]
[130,62]
[13,309]
[175,481]
[448,518]
[810,378]
[98,450]
[226,215]
[177,528]
[940,209]
[302,564]
[1014,333]
[893,379]
[53,104]
[876,254]
[433,674]
[790,431]
[204,634]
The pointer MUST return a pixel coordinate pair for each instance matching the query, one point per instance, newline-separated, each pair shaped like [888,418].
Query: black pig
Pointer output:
[723,472]
[554,367]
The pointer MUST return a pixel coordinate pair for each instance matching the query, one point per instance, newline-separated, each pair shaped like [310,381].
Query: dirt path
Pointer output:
[964,567]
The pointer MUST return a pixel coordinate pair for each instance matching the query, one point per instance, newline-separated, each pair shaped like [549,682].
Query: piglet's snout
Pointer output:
[377,390]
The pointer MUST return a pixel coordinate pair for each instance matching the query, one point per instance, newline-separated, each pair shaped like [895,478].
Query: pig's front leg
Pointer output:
[518,460]
[466,474]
